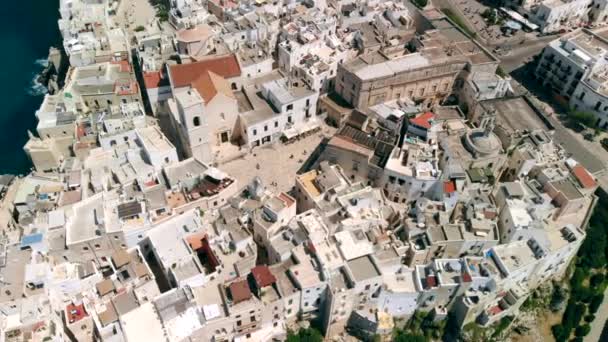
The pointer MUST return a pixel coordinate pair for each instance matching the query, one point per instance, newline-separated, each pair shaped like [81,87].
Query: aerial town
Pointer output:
[260,170]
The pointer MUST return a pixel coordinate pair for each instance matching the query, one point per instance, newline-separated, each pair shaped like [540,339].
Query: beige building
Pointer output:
[100,86]
[204,107]
[426,71]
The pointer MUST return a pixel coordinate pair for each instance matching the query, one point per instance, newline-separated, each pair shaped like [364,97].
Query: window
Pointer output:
[289,312]
[85,248]
[307,102]
[255,132]
[252,318]
[367,287]
[305,303]
[290,107]
[290,301]
[276,124]
[265,128]
[196,121]
[238,323]
[289,119]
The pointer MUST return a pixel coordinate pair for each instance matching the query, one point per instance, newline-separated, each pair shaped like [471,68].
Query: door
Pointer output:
[224,137]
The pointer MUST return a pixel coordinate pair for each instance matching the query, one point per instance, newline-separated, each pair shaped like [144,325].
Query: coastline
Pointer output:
[28,33]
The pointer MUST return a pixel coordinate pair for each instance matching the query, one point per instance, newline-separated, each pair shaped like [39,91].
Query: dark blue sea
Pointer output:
[27,29]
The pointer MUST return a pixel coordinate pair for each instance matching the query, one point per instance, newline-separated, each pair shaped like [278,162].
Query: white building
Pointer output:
[575,66]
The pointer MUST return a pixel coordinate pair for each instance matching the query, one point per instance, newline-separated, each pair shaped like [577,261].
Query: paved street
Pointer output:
[590,154]
[599,327]
[520,53]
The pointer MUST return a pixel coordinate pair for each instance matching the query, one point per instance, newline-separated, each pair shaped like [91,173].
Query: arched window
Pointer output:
[196,121]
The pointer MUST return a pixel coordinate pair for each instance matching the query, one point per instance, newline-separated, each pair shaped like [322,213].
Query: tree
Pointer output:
[595,303]
[139,28]
[584,118]
[490,15]
[305,335]
[593,250]
[558,298]
[421,3]
[582,330]
[403,336]
[596,279]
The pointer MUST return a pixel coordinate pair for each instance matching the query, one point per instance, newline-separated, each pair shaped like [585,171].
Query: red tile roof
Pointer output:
[449,187]
[155,79]
[75,313]
[125,66]
[196,240]
[210,84]
[288,200]
[494,310]
[423,120]
[584,177]
[183,75]
[262,276]
[240,292]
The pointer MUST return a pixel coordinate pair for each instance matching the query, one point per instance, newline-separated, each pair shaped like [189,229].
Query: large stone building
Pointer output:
[426,71]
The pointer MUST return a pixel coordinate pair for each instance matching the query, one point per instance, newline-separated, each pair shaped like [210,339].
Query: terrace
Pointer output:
[207,187]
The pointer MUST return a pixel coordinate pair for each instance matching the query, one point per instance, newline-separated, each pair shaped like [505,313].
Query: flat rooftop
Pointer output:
[515,255]
[363,268]
[143,324]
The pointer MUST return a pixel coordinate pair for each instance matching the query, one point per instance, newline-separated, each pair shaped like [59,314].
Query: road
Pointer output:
[590,154]
[523,52]
[599,326]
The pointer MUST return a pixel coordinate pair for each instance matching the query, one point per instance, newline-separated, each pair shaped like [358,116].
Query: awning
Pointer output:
[513,25]
[290,133]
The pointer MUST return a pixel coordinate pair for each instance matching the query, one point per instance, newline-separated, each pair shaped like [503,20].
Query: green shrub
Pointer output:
[582,330]
[595,303]
[589,318]
[597,279]
[584,118]
[305,335]
[558,333]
